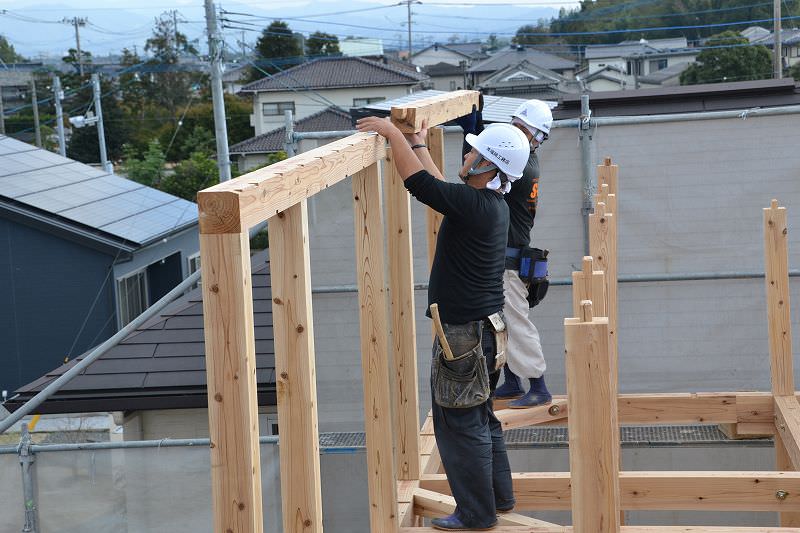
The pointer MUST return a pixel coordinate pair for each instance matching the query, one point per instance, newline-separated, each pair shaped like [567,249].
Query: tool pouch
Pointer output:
[533,272]
[463,381]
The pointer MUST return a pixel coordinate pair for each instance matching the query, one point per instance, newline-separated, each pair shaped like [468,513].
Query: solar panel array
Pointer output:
[89,196]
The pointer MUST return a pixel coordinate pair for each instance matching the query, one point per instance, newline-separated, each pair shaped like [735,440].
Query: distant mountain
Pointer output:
[110,30]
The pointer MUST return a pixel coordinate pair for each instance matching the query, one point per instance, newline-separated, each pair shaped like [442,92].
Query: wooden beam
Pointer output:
[588,284]
[231,378]
[295,370]
[784,463]
[369,233]
[238,204]
[625,529]
[603,248]
[433,504]
[593,428]
[436,110]
[404,331]
[608,173]
[433,217]
[519,418]
[699,491]
[787,422]
[776,260]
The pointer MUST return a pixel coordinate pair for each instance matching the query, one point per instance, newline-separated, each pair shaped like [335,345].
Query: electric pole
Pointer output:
[77,22]
[101,134]
[220,128]
[35,102]
[58,95]
[777,59]
[408,3]
[2,113]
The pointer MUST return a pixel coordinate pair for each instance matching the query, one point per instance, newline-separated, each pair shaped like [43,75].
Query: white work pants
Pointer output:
[524,357]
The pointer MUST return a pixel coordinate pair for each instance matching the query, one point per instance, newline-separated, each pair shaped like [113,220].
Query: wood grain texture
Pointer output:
[787,424]
[295,369]
[231,375]
[435,109]
[593,427]
[404,331]
[433,217]
[432,504]
[625,529]
[375,370]
[776,260]
[589,284]
[608,173]
[784,463]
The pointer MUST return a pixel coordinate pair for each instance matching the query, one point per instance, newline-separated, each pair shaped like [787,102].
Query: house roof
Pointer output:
[89,202]
[329,119]
[504,58]
[468,50]
[334,73]
[660,76]
[642,47]
[789,36]
[522,73]
[443,69]
[495,108]
[161,365]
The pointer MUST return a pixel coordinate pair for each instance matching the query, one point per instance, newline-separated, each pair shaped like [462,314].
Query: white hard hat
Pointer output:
[503,145]
[536,114]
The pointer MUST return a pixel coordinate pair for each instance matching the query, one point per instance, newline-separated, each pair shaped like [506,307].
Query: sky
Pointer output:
[34,27]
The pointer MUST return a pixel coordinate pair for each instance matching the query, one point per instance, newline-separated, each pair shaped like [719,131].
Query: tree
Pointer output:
[7,52]
[322,44]
[147,170]
[276,49]
[528,34]
[83,143]
[190,176]
[132,87]
[72,59]
[794,71]
[723,60]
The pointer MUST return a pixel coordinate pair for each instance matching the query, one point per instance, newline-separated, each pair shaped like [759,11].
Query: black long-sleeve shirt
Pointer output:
[522,200]
[467,273]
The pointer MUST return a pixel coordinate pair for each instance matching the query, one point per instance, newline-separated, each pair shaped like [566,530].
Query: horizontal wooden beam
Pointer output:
[235,205]
[787,422]
[625,529]
[432,504]
[436,110]
[701,491]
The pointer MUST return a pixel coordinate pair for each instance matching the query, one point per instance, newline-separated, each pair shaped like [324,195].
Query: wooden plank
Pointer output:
[608,173]
[588,284]
[609,199]
[295,370]
[269,190]
[593,428]
[434,218]
[519,418]
[231,375]
[436,110]
[374,349]
[603,248]
[700,491]
[784,463]
[787,422]
[776,260]
[433,504]
[404,330]
[626,529]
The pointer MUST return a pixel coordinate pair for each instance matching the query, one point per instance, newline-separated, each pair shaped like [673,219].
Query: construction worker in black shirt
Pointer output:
[466,282]
[525,357]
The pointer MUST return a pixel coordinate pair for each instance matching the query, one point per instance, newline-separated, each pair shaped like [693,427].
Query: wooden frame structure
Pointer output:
[404,470]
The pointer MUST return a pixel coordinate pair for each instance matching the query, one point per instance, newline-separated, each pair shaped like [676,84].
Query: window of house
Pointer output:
[361,102]
[658,64]
[452,85]
[131,297]
[194,266]
[272,425]
[269,109]
[634,68]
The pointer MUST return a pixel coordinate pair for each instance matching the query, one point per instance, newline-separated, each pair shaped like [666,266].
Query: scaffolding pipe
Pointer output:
[288,138]
[588,185]
[65,378]
[26,459]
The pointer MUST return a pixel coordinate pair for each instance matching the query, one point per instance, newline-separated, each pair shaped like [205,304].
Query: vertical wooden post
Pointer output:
[589,284]
[776,261]
[404,331]
[295,369]
[609,174]
[231,369]
[593,424]
[374,349]
[603,248]
[434,218]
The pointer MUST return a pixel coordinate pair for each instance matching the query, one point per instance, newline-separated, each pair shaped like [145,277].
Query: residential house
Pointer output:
[361,47]
[619,66]
[790,42]
[254,152]
[82,253]
[526,80]
[446,76]
[234,77]
[15,82]
[481,71]
[311,87]
[451,53]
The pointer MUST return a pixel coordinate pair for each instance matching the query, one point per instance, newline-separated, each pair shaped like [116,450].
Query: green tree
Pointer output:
[794,71]
[322,44]
[191,175]
[132,88]
[528,34]
[7,52]
[83,144]
[723,60]
[72,59]
[148,169]
[276,49]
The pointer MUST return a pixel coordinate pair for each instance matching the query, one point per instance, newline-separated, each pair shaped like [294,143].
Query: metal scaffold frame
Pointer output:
[404,470]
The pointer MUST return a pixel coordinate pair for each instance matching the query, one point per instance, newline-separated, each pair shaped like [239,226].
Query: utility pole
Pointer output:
[35,103]
[408,3]
[220,128]
[77,22]
[58,95]
[175,30]
[2,113]
[777,59]
[101,134]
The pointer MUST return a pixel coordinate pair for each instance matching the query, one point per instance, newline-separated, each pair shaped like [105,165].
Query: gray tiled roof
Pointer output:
[505,58]
[161,365]
[329,119]
[443,69]
[39,183]
[468,50]
[336,72]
